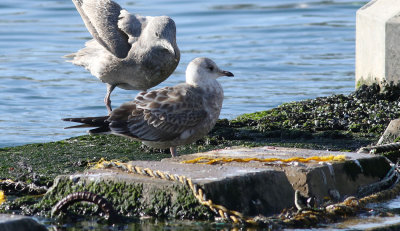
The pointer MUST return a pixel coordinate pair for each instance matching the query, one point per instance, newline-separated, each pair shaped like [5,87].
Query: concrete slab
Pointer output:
[391,133]
[252,188]
[317,179]
[377,47]
[10,222]
[240,187]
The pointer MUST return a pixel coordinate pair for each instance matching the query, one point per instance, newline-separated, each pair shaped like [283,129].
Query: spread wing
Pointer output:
[159,115]
[101,19]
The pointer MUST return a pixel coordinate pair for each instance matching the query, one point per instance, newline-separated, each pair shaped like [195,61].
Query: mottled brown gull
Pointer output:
[132,52]
[170,116]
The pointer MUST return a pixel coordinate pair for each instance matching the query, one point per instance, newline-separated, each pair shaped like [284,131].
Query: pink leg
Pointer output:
[107,99]
[173,151]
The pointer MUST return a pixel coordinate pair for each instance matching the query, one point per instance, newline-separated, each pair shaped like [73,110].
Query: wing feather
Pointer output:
[101,19]
[147,118]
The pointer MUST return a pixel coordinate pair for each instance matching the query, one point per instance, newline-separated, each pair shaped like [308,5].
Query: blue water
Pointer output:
[279,51]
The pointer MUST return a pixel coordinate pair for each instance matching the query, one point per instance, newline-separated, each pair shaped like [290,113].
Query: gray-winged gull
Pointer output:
[128,51]
[170,116]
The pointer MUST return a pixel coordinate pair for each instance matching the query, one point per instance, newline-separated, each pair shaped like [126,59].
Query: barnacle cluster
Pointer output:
[367,110]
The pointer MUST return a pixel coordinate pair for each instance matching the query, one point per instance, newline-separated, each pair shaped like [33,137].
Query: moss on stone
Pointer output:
[159,204]
[176,202]
[128,200]
[19,204]
[360,83]
[125,197]
[186,206]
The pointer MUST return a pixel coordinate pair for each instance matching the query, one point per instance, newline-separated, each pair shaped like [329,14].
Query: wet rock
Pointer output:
[130,195]
[15,222]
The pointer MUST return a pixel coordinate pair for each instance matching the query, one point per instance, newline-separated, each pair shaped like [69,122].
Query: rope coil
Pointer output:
[2,197]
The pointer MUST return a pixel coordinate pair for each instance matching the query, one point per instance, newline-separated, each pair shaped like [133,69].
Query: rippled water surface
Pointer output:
[279,51]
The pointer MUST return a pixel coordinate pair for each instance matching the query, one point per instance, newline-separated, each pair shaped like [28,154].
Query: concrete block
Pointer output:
[10,222]
[251,188]
[391,133]
[317,179]
[377,43]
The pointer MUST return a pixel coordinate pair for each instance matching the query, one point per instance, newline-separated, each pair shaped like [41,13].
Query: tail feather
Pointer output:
[99,130]
[79,126]
[100,123]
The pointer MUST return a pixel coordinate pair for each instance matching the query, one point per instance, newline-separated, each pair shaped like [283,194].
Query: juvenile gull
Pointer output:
[170,116]
[128,51]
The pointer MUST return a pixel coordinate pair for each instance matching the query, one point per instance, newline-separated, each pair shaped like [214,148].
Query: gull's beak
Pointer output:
[168,46]
[226,73]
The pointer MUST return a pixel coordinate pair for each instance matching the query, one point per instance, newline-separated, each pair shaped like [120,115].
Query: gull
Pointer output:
[171,116]
[128,51]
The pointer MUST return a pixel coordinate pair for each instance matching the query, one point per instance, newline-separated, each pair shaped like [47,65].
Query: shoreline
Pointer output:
[337,123]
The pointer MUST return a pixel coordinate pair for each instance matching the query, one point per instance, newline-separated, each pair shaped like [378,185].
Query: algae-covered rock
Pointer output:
[367,110]
[131,196]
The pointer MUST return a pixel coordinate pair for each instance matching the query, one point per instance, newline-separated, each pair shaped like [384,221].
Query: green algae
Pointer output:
[128,198]
[125,197]
[41,163]
[186,205]
[176,202]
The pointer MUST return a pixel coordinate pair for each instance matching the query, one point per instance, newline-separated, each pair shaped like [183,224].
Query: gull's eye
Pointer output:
[211,68]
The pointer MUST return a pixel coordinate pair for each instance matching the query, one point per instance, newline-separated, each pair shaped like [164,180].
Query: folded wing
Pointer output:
[159,115]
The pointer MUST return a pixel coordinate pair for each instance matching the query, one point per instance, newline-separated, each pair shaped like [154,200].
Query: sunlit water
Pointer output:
[279,51]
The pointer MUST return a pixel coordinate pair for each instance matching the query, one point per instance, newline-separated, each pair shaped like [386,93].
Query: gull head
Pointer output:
[202,70]
[162,32]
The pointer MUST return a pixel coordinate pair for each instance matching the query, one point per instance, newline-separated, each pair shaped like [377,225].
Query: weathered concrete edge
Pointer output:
[263,192]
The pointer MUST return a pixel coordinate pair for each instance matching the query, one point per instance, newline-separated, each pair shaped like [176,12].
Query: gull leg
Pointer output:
[173,151]
[107,99]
